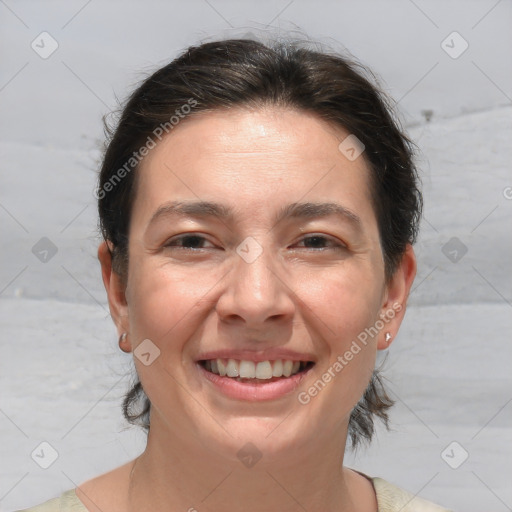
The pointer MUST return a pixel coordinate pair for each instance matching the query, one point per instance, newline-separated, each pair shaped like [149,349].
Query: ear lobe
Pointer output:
[397,293]
[114,287]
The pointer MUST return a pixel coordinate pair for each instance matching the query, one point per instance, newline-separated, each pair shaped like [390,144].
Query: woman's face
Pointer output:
[253,238]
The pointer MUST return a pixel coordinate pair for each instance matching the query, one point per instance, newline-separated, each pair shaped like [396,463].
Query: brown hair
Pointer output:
[243,72]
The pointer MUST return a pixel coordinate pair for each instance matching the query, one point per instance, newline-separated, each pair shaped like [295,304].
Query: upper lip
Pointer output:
[257,355]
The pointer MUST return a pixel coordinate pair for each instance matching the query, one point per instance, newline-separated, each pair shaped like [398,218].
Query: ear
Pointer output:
[115,289]
[395,298]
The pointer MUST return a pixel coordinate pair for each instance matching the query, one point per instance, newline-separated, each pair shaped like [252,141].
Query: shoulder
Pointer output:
[88,495]
[66,502]
[389,499]
[393,499]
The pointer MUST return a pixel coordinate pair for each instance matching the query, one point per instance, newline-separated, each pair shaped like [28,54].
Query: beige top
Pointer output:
[389,499]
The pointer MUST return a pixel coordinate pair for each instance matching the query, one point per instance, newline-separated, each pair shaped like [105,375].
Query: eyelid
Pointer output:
[331,239]
[180,237]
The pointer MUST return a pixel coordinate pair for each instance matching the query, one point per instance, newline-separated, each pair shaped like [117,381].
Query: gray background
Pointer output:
[61,374]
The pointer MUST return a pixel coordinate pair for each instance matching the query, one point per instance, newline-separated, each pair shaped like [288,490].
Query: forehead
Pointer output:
[259,159]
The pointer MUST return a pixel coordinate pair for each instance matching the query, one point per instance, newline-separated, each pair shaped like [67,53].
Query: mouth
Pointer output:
[254,372]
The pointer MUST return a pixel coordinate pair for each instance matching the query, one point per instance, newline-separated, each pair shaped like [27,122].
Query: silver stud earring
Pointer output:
[122,345]
[388,337]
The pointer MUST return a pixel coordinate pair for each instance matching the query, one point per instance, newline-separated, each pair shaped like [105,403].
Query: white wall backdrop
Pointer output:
[63,64]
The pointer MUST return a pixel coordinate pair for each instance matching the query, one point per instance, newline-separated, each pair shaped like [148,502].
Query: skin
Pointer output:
[312,296]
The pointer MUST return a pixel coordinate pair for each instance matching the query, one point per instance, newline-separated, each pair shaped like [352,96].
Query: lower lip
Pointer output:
[254,391]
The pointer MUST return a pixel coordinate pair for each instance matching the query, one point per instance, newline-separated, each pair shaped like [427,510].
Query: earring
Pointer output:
[121,342]
[388,338]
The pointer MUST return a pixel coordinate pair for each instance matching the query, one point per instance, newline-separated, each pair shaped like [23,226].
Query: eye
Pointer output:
[321,242]
[188,241]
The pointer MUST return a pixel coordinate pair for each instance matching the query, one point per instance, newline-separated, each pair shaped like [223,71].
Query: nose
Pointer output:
[256,293]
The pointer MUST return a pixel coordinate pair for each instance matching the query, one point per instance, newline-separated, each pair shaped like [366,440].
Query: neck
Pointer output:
[191,476]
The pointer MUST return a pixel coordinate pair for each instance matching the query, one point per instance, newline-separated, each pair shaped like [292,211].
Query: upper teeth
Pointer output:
[252,370]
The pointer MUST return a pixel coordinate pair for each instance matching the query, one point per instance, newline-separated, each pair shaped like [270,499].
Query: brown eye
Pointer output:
[188,242]
[321,242]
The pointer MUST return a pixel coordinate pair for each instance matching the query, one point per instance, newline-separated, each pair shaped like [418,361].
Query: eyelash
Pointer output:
[334,245]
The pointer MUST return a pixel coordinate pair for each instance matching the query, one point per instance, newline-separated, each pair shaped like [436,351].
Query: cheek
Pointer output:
[344,309]
[166,308]
[164,305]
[345,302]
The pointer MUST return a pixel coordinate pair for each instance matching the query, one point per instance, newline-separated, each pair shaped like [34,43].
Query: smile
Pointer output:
[254,381]
[262,370]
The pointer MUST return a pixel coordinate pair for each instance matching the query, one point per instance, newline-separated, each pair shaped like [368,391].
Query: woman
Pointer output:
[258,206]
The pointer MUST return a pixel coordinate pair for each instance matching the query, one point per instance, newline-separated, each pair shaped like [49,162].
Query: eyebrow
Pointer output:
[202,209]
